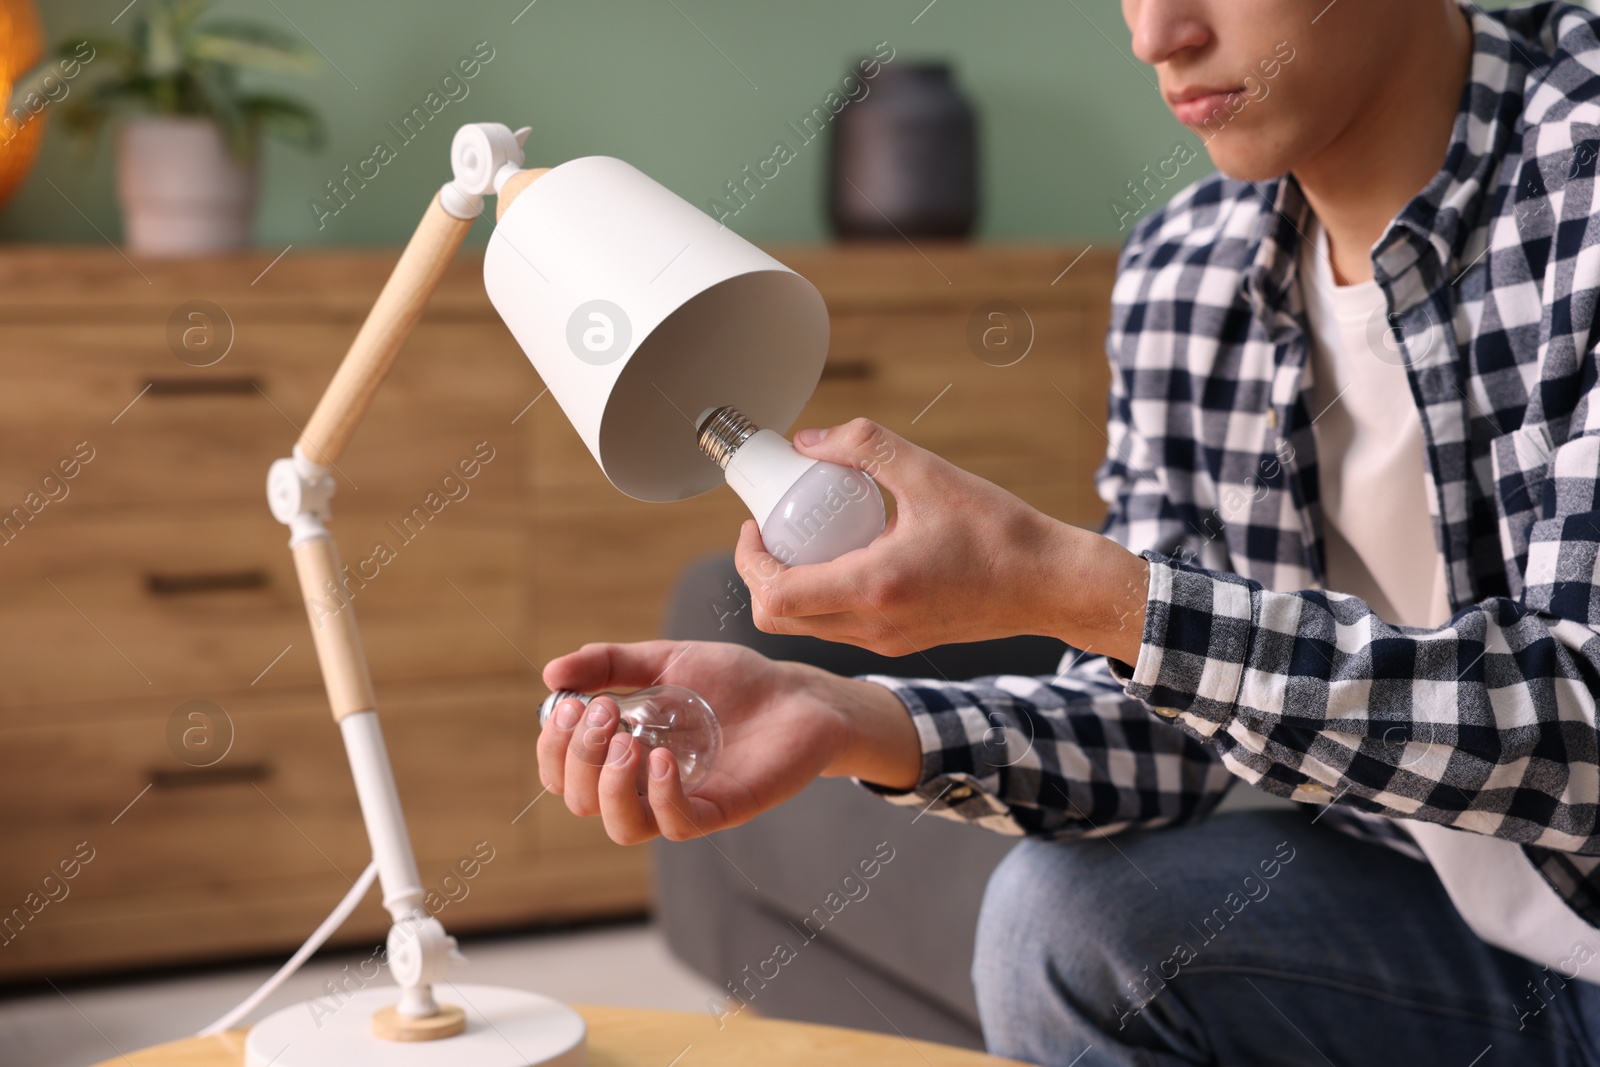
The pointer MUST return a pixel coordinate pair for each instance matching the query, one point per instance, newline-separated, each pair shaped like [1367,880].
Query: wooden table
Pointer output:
[624,1037]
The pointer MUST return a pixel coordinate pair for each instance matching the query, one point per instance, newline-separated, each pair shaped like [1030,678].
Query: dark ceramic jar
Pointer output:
[904,158]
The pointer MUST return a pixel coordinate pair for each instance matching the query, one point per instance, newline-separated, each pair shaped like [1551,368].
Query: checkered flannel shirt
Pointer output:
[1249,668]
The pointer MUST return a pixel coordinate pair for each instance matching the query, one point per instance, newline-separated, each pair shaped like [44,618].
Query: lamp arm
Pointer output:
[484,158]
[299,491]
[392,318]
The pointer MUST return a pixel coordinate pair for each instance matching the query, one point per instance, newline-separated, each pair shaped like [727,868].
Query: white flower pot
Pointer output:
[182,194]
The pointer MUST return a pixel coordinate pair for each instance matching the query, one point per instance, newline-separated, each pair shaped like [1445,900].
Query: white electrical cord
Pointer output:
[321,934]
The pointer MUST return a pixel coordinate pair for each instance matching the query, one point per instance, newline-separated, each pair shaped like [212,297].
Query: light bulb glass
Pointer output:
[828,511]
[662,716]
[810,511]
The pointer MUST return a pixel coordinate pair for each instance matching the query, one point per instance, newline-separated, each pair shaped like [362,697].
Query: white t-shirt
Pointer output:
[1380,546]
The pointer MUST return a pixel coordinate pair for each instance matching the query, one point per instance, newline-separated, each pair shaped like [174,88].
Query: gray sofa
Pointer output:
[780,911]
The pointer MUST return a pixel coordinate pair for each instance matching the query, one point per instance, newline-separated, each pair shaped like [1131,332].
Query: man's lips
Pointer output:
[1194,106]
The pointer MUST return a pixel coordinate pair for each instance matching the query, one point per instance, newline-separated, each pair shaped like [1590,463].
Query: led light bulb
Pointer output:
[810,511]
[662,716]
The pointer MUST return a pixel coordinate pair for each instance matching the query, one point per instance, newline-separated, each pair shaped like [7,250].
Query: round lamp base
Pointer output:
[390,1025]
[504,1028]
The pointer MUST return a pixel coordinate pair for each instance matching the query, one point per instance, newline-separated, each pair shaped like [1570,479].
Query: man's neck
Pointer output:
[1395,145]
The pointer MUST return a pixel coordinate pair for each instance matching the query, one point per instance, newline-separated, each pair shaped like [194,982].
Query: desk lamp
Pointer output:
[666,339]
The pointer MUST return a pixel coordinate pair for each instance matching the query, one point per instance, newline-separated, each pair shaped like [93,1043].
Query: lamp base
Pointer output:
[505,1028]
[390,1025]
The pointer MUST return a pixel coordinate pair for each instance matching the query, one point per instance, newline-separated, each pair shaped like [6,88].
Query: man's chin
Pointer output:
[1241,164]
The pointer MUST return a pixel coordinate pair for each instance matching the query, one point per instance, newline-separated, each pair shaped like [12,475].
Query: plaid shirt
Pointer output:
[1248,668]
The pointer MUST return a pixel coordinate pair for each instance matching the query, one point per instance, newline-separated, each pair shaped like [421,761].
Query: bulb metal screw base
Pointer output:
[550,702]
[722,431]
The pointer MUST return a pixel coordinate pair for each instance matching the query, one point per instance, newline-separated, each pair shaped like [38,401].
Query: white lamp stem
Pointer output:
[380,810]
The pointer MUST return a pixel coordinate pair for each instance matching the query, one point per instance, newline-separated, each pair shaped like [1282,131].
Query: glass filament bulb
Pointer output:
[662,716]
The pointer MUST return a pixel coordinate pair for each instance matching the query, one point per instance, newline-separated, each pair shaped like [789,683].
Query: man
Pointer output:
[1351,558]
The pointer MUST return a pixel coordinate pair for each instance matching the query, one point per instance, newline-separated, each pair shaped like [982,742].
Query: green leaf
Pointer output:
[253,48]
[288,120]
[34,81]
[104,49]
[163,51]
[86,112]
[104,53]
[219,98]
[171,66]
[184,13]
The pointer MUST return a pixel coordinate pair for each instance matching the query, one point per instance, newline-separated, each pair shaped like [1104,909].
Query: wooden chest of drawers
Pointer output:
[154,577]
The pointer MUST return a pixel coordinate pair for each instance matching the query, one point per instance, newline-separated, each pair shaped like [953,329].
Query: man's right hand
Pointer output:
[783,724]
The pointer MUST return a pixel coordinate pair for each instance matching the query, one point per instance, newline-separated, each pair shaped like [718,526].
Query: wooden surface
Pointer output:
[623,1037]
[161,578]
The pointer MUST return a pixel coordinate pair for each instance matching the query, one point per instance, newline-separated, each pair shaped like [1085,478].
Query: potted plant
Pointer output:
[188,132]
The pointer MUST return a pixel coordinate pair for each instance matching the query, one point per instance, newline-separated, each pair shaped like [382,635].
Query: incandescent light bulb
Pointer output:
[810,511]
[662,716]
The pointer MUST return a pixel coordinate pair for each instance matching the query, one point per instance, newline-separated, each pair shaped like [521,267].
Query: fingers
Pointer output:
[554,739]
[586,754]
[834,588]
[895,463]
[672,809]
[665,810]
[605,666]
[601,772]
[599,768]
[627,817]
[758,567]
[780,592]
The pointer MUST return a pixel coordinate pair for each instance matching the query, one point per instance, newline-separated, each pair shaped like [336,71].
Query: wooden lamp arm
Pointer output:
[392,318]
[389,323]
[299,490]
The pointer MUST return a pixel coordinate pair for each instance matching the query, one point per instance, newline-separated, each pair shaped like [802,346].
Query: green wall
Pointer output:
[1067,116]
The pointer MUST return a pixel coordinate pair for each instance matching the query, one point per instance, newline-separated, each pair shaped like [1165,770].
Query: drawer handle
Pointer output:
[205,582]
[848,370]
[231,386]
[196,777]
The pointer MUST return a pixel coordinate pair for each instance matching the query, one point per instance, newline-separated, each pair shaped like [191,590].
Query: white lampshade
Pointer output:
[693,317]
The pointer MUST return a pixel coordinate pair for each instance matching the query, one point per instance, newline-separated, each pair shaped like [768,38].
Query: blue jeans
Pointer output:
[1256,939]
